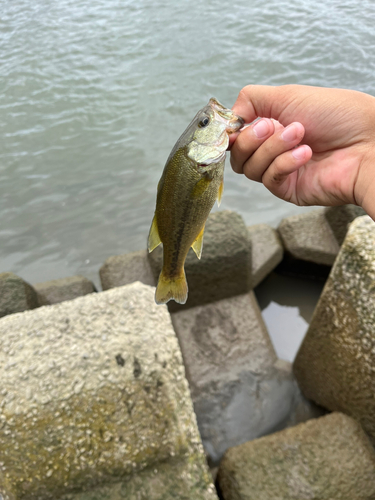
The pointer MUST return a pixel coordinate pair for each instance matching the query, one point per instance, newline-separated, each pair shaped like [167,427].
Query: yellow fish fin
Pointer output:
[171,288]
[153,237]
[198,244]
[200,187]
[220,193]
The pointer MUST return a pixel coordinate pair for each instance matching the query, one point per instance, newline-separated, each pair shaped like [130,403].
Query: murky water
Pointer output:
[93,95]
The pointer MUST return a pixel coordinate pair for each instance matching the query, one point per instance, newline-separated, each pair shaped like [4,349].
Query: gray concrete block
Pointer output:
[92,392]
[15,295]
[55,291]
[335,363]
[124,269]
[309,237]
[266,251]
[325,458]
[225,267]
[239,389]
[339,219]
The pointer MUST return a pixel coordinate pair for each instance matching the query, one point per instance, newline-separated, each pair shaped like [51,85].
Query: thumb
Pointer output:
[258,100]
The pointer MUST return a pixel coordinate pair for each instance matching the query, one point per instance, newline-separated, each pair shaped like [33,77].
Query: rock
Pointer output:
[92,392]
[165,481]
[15,294]
[309,237]
[55,291]
[124,269]
[239,390]
[335,364]
[266,251]
[339,219]
[325,458]
[225,267]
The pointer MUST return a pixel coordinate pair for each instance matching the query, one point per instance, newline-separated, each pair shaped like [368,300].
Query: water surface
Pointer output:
[93,95]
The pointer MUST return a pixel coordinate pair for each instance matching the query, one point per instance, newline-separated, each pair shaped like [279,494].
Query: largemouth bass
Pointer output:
[191,182]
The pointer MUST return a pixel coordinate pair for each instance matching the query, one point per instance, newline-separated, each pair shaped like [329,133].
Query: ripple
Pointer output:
[94,94]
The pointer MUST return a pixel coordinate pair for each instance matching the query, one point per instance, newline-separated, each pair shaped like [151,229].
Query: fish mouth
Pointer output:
[233,122]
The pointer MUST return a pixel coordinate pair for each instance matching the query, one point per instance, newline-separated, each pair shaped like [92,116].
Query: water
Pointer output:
[93,95]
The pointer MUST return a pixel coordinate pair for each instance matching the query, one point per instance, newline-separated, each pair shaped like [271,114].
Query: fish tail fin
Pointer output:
[171,288]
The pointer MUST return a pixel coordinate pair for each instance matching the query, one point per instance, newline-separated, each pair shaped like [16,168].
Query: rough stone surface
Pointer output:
[124,269]
[93,390]
[323,459]
[266,251]
[239,389]
[55,291]
[339,219]
[309,237]
[335,365]
[225,267]
[15,294]
[165,481]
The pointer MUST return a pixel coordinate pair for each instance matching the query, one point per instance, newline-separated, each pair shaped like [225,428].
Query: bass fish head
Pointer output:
[209,133]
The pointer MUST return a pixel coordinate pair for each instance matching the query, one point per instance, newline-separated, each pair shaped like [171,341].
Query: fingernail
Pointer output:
[299,153]
[290,133]
[261,128]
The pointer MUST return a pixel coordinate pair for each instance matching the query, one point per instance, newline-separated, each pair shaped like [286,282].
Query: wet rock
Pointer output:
[92,392]
[266,251]
[15,294]
[309,237]
[325,458]
[239,389]
[55,291]
[335,364]
[121,270]
[225,267]
[339,219]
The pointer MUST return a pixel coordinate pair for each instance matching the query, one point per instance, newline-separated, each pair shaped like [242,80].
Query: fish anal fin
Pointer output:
[200,187]
[220,193]
[198,244]
[153,237]
[171,288]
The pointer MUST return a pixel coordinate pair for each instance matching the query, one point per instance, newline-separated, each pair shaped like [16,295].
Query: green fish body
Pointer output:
[191,182]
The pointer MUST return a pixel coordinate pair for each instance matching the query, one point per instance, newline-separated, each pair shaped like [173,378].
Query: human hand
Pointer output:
[334,130]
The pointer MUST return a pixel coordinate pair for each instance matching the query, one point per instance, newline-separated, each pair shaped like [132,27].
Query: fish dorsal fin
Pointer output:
[198,244]
[220,193]
[153,237]
[200,187]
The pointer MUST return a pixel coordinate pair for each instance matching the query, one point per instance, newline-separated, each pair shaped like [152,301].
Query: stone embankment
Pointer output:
[94,400]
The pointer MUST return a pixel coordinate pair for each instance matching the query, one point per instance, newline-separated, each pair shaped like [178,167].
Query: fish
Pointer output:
[191,182]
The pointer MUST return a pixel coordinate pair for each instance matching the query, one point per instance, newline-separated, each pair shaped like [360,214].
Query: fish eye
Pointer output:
[204,122]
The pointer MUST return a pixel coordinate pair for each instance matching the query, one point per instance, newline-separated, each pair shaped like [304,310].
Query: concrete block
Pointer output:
[339,219]
[238,388]
[335,364]
[266,251]
[92,392]
[326,458]
[309,237]
[55,291]
[124,269]
[164,481]
[225,267]
[15,294]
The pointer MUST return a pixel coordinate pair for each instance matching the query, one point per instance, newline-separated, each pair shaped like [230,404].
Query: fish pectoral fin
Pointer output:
[198,244]
[220,193]
[153,237]
[200,187]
